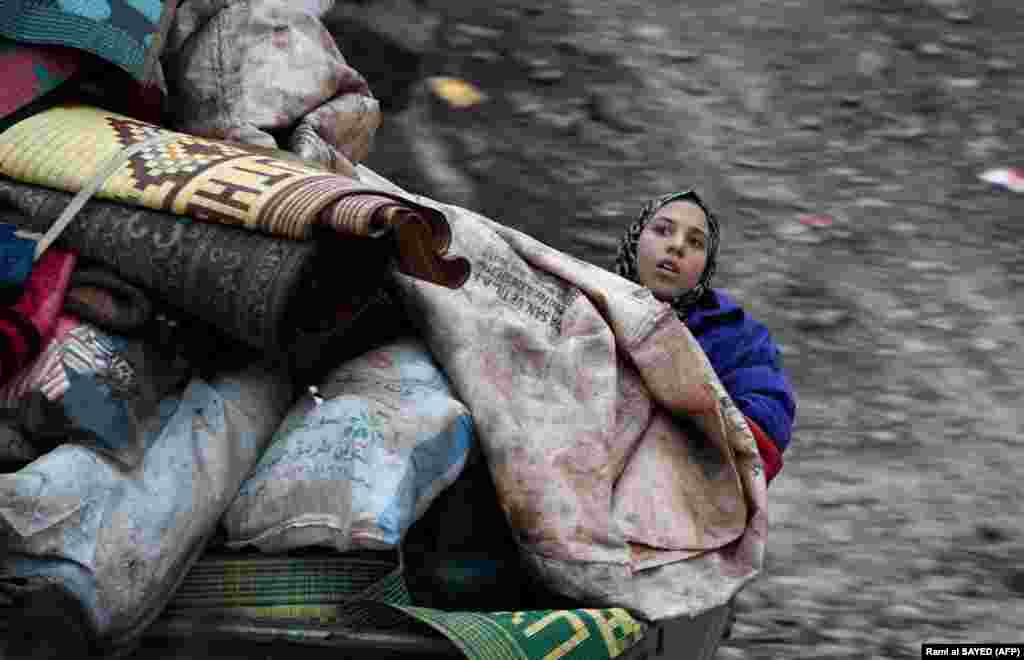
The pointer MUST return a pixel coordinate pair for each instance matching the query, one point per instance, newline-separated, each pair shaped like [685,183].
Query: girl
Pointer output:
[672,250]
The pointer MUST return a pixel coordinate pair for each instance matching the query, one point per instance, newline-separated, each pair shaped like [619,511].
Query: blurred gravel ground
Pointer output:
[897,519]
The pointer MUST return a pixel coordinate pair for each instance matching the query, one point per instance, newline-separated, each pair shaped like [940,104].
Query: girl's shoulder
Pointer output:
[721,324]
[716,308]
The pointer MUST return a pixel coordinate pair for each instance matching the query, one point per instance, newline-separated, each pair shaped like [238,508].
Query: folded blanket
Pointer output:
[574,377]
[232,184]
[26,326]
[128,34]
[31,71]
[247,285]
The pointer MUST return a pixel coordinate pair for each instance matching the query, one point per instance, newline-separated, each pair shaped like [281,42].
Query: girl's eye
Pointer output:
[661,230]
[697,243]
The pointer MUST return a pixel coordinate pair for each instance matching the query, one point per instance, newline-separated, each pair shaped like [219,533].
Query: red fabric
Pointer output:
[44,292]
[29,71]
[27,326]
[770,454]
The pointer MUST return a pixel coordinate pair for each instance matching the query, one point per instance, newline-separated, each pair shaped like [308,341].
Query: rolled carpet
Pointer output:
[246,284]
[65,147]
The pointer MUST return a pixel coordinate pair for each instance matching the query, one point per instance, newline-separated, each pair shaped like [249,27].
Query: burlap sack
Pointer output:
[575,378]
[354,467]
[121,541]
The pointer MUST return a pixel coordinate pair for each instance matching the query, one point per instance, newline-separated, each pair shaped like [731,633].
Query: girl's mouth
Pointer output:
[668,265]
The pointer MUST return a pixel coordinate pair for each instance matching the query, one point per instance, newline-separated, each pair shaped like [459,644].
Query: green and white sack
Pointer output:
[354,467]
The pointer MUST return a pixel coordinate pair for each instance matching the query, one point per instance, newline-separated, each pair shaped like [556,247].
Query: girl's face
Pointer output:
[672,250]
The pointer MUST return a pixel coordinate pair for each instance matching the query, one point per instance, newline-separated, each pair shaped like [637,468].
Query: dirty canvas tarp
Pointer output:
[355,468]
[253,70]
[212,181]
[120,542]
[572,375]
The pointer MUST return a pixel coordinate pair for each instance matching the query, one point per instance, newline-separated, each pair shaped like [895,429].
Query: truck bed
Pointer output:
[177,638]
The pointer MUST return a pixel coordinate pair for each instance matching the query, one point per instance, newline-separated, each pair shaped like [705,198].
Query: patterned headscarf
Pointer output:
[626,260]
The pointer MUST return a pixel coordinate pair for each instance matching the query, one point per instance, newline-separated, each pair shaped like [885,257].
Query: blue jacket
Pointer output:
[747,362]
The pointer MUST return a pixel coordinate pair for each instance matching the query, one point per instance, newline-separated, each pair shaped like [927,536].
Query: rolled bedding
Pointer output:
[255,288]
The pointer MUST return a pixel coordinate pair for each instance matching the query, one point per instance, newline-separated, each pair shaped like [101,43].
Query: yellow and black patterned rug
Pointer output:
[66,147]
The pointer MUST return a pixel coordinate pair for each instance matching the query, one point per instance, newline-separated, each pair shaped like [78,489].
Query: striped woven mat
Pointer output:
[327,589]
[350,591]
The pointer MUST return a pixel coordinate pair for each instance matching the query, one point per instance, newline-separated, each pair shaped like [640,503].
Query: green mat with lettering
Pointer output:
[546,634]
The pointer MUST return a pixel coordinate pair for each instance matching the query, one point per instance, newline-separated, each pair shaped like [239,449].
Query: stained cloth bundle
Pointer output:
[575,378]
[259,70]
[356,468]
[109,546]
[224,183]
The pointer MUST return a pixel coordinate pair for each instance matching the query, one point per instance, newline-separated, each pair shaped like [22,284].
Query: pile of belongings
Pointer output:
[244,376]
